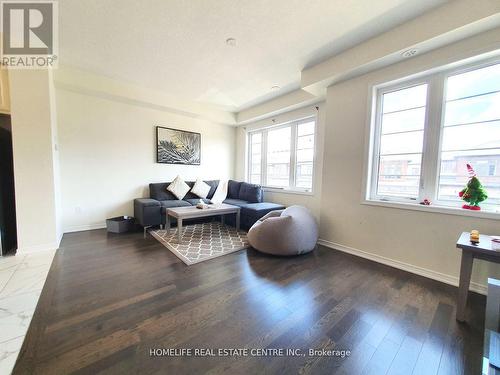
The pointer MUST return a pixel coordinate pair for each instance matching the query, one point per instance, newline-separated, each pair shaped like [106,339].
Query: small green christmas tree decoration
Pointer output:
[473,193]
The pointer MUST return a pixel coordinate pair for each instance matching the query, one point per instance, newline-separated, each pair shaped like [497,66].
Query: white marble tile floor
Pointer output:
[21,281]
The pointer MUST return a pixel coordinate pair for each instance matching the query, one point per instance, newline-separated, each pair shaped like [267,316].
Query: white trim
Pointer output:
[289,116]
[425,272]
[37,248]
[263,158]
[84,227]
[40,248]
[433,209]
[293,154]
[59,239]
[287,191]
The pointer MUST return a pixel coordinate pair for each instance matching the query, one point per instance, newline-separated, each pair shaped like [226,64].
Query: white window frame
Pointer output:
[377,137]
[293,155]
[432,141]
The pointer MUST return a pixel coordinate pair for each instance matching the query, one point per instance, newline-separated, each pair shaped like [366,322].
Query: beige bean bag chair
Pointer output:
[291,231]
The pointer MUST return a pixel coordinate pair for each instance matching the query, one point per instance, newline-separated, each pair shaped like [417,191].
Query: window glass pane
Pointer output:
[305,128]
[473,136]
[255,167]
[306,141]
[412,97]
[304,175]
[305,155]
[255,157]
[454,176]
[400,165]
[407,120]
[255,179]
[256,138]
[475,109]
[402,143]
[401,186]
[278,157]
[478,142]
[476,82]
[399,175]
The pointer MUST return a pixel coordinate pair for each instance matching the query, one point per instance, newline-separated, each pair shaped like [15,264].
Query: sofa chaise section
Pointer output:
[249,197]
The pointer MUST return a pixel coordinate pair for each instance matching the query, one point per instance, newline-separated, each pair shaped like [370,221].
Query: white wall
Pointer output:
[421,241]
[55,160]
[108,158]
[35,160]
[311,201]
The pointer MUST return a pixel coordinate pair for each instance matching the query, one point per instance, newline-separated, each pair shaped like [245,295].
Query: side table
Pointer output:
[471,251]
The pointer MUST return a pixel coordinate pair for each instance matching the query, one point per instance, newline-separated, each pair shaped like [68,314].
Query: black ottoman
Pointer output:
[252,212]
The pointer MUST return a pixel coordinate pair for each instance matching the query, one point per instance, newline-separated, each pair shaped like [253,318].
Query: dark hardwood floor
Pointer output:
[110,299]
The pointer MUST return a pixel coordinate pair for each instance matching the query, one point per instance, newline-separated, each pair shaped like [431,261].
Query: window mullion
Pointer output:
[432,135]
[249,161]
[293,155]
[376,149]
[263,159]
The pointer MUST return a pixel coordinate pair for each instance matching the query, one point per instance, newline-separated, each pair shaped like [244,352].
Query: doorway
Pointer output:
[8,228]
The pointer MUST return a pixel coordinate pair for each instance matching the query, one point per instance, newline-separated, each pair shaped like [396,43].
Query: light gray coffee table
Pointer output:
[183,213]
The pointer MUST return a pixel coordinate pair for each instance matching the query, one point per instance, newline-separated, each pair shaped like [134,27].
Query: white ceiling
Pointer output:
[179,47]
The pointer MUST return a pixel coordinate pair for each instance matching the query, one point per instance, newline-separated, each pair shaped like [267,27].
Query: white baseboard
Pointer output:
[81,228]
[59,239]
[55,245]
[444,278]
[40,248]
[37,248]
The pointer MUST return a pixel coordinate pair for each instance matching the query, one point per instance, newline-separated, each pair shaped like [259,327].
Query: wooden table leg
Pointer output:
[463,287]
[167,224]
[238,221]
[179,229]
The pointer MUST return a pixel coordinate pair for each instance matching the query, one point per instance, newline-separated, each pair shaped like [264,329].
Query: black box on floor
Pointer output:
[120,224]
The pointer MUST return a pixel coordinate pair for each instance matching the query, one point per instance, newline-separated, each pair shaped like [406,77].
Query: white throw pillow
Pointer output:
[200,188]
[221,193]
[178,187]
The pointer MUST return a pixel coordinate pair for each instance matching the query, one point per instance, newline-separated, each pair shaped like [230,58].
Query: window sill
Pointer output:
[287,191]
[434,209]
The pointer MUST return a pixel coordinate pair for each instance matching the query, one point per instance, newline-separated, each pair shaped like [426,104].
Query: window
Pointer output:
[471,132]
[256,158]
[427,130]
[283,156]
[305,155]
[278,157]
[401,141]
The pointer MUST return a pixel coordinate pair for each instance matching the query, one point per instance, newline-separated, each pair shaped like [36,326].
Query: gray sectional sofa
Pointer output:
[151,211]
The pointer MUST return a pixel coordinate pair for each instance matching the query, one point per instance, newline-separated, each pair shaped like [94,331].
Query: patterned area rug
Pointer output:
[202,241]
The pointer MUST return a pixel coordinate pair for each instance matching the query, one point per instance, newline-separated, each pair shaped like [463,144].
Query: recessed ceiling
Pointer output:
[180,48]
